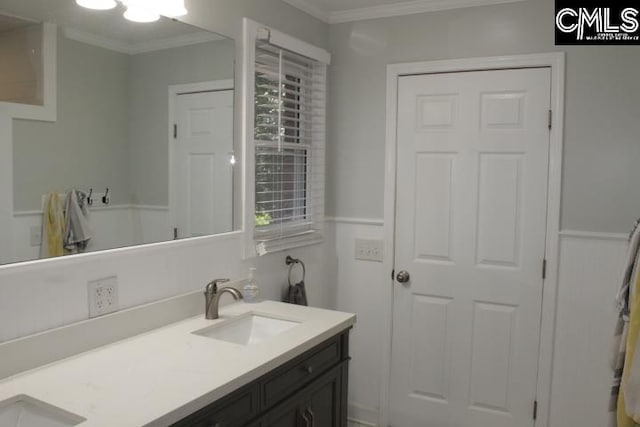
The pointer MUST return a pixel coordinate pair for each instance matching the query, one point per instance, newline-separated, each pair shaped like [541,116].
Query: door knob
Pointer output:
[403,276]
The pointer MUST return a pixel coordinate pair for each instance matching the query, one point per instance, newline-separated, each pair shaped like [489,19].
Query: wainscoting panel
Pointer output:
[589,276]
[590,271]
[41,295]
[359,287]
[112,227]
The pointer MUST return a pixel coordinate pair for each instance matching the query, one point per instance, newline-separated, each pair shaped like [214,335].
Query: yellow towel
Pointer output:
[54,223]
[624,418]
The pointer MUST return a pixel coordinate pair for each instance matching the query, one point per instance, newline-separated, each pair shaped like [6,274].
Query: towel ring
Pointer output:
[292,262]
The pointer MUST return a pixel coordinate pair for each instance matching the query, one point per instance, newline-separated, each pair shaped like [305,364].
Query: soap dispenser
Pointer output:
[251,290]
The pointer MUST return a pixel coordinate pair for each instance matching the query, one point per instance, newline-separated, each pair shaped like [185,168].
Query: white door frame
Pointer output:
[182,89]
[556,61]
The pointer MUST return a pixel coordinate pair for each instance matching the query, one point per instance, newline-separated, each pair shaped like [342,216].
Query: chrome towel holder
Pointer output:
[292,262]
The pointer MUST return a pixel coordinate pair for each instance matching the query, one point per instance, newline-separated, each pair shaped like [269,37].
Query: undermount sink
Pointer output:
[25,411]
[247,329]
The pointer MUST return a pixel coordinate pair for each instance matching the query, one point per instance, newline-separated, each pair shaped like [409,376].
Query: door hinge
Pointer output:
[544,269]
[175,233]
[535,410]
[175,131]
[550,119]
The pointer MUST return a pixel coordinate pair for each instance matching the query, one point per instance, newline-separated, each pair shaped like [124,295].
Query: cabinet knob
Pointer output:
[308,369]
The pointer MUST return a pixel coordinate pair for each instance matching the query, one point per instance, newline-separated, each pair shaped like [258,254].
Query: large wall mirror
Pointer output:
[142,149]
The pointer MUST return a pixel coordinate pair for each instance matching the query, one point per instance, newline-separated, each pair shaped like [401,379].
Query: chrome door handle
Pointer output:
[307,422]
[403,276]
[312,416]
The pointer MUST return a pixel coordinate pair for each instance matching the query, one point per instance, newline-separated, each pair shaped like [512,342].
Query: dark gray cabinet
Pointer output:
[320,404]
[309,391]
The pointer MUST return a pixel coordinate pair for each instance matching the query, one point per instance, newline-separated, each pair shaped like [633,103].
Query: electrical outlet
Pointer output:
[369,250]
[103,296]
[36,235]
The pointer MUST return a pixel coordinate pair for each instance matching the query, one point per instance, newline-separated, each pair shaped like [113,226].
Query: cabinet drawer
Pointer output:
[232,411]
[300,372]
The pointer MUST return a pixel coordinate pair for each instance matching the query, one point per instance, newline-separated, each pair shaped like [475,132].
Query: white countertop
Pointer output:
[160,377]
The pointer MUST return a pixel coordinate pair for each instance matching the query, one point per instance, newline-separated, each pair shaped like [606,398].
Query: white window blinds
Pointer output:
[289,142]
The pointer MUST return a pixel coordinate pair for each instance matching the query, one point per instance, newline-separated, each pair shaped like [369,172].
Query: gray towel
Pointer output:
[297,294]
[77,231]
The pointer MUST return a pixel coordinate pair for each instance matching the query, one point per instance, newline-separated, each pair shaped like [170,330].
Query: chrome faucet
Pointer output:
[212,297]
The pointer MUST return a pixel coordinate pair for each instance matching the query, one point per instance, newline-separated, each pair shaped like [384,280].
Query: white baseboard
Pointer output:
[362,416]
[356,423]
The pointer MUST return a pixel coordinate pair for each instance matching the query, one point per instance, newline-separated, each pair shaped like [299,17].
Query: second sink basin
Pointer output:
[24,411]
[247,329]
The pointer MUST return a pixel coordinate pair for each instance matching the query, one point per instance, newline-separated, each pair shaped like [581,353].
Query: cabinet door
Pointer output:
[324,401]
[318,405]
[289,414]
[233,411]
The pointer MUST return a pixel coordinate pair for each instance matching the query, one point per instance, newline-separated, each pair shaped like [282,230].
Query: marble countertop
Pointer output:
[160,377]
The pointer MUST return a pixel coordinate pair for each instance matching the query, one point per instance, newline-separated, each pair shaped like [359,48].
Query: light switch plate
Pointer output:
[369,250]
[103,296]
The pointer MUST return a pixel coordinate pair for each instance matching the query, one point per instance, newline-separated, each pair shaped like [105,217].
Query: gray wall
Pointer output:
[225,17]
[86,147]
[602,130]
[151,75]
[112,122]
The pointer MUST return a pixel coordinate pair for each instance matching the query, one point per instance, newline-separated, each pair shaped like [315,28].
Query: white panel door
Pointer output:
[470,229]
[202,173]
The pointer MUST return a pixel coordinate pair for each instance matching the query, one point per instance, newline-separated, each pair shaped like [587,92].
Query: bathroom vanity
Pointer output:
[310,390]
[259,365]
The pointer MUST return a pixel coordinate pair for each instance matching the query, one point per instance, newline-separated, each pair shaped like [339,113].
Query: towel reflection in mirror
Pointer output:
[66,224]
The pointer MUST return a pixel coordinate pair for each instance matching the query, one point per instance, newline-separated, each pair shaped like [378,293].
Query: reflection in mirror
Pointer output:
[143,147]
[21,73]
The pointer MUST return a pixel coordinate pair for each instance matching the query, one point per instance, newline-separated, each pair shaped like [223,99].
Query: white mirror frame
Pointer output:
[48,112]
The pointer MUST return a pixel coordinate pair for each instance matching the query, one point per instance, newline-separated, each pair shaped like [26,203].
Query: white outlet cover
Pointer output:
[35,234]
[103,296]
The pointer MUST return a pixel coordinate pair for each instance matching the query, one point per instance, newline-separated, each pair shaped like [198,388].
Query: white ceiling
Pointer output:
[337,11]
[109,25]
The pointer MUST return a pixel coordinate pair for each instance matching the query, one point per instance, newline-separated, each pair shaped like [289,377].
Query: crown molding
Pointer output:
[389,10]
[311,9]
[142,47]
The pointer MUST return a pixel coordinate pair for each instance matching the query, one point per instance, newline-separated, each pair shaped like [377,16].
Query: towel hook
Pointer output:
[105,198]
[292,262]
[89,198]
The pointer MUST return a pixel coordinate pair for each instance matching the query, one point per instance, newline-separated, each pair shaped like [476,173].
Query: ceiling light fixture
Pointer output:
[140,10]
[171,8]
[97,4]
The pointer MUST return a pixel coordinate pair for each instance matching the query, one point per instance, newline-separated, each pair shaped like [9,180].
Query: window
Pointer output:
[289,143]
